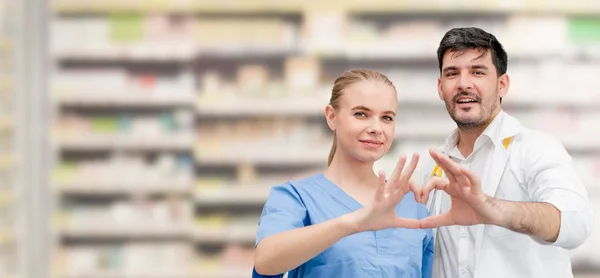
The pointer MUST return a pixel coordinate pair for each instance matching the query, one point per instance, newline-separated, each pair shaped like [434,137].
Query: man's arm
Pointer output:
[559,214]
[541,220]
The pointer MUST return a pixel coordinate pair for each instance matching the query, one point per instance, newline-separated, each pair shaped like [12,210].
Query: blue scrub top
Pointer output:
[384,253]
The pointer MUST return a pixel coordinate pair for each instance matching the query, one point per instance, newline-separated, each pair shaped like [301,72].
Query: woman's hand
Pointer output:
[381,212]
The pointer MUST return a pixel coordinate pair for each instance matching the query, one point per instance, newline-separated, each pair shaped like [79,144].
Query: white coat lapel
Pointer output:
[497,165]
[489,185]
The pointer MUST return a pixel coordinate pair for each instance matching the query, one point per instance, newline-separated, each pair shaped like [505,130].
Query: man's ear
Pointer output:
[439,87]
[503,84]
[330,116]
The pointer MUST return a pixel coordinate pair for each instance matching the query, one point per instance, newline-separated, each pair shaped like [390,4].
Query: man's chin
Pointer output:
[467,122]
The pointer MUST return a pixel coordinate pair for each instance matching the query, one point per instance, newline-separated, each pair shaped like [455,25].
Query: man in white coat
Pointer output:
[505,200]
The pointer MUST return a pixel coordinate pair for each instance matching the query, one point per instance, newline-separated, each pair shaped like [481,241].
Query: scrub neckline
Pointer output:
[337,193]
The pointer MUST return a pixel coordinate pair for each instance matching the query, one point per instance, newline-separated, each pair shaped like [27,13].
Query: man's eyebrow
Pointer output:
[449,68]
[479,66]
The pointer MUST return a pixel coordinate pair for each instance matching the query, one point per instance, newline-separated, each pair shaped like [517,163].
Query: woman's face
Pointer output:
[365,120]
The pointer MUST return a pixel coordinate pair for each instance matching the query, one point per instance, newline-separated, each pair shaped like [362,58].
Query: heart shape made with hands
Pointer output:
[470,205]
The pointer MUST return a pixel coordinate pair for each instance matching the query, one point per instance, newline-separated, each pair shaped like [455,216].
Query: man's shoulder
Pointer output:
[530,138]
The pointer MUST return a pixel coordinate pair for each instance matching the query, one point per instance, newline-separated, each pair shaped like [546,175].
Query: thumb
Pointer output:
[434,182]
[436,221]
[416,190]
[407,223]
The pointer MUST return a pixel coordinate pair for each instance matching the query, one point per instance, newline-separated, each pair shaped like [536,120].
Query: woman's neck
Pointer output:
[348,172]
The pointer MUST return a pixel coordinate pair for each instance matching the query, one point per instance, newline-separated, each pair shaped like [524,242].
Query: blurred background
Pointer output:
[140,138]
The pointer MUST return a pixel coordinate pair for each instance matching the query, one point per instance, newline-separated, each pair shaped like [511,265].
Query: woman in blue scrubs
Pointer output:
[347,221]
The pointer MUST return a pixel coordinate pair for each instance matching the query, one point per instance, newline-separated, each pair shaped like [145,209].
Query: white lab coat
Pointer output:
[534,168]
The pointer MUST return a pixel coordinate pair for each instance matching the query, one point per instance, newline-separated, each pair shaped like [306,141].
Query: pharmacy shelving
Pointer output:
[12,246]
[256,76]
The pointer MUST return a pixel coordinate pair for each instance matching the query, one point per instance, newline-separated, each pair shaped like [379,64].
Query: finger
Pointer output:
[438,159]
[472,179]
[449,166]
[437,221]
[411,167]
[434,182]
[398,169]
[381,187]
[416,190]
[407,223]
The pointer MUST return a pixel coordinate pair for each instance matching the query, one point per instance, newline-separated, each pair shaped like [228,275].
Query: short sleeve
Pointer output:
[283,211]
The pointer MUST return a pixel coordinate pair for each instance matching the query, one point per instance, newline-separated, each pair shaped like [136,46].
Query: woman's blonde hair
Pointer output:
[346,80]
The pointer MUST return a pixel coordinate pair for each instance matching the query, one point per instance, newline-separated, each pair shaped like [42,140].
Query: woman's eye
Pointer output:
[388,118]
[360,114]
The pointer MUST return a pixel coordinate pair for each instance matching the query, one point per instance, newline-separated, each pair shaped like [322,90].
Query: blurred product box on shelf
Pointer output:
[124,219]
[133,259]
[120,87]
[125,173]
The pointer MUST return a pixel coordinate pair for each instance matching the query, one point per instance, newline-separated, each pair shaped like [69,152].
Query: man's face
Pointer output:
[471,87]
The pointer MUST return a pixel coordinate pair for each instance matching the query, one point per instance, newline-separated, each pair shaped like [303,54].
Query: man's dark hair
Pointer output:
[461,39]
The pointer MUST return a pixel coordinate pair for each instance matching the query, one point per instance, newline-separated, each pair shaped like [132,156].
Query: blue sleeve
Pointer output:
[428,248]
[257,275]
[428,255]
[283,211]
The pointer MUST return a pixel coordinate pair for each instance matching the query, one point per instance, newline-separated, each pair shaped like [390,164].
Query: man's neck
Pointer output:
[349,172]
[468,136]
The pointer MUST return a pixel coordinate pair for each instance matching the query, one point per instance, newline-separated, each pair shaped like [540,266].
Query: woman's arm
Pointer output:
[282,252]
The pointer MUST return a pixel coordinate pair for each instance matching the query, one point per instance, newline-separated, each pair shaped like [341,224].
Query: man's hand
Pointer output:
[470,206]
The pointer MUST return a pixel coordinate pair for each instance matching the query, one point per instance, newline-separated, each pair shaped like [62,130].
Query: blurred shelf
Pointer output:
[242,235]
[167,6]
[516,100]
[232,195]
[125,100]
[580,143]
[149,54]
[264,156]
[5,45]
[7,237]
[6,161]
[418,130]
[116,188]
[224,273]
[6,123]
[264,107]
[6,198]
[120,274]
[114,231]
[152,53]
[471,7]
[162,142]
[356,6]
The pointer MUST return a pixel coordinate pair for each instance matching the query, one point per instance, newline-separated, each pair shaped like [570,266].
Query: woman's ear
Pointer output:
[330,116]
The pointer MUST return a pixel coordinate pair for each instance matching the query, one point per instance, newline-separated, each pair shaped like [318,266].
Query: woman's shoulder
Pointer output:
[297,187]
